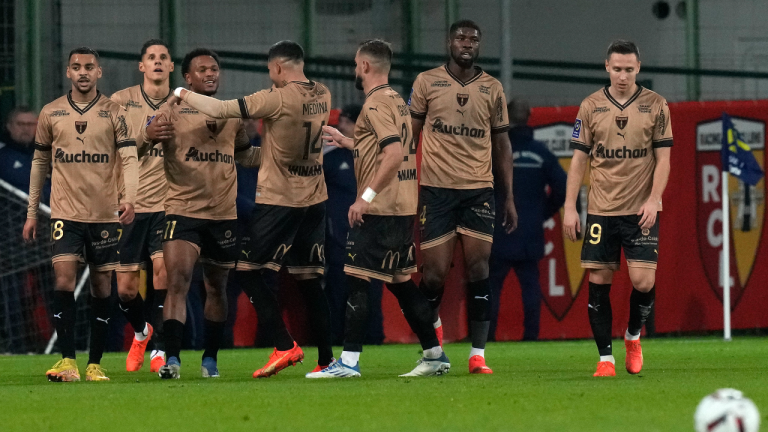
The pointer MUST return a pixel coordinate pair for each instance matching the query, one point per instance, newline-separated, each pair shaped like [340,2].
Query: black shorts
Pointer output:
[445,212]
[605,236]
[92,243]
[215,240]
[381,247]
[290,236]
[141,241]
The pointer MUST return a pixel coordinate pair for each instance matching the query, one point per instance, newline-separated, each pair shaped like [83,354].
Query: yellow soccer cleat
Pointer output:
[94,372]
[65,370]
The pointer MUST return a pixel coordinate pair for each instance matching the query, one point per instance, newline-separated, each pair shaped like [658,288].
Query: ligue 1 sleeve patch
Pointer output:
[577,129]
[410,96]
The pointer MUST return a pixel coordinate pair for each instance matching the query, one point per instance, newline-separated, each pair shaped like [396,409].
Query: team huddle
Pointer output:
[159,184]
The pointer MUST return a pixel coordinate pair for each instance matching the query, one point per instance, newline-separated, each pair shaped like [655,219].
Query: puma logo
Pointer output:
[485,297]
[246,253]
[620,134]
[593,307]
[82,140]
[460,112]
[657,252]
[121,307]
[104,320]
[352,256]
[354,308]
[58,315]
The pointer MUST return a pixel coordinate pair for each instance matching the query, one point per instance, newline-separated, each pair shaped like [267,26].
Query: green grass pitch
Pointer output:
[544,386]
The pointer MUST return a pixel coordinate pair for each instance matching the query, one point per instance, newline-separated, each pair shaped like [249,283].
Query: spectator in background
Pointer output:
[338,166]
[539,190]
[17,146]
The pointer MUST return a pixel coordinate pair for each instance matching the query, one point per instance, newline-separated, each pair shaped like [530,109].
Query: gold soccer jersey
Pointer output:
[459,119]
[200,164]
[84,143]
[291,171]
[620,140]
[385,120]
[152,184]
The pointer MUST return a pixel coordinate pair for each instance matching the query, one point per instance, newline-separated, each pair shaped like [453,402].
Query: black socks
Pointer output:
[319,317]
[264,300]
[214,333]
[157,319]
[134,312]
[434,298]
[479,293]
[417,311]
[174,332]
[64,320]
[356,322]
[640,305]
[601,316]
[100,314]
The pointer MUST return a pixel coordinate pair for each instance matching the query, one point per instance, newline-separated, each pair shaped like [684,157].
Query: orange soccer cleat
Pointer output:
[634,360]
[156,363]
[605,369]
[135,359]
[477,365]
[280,360]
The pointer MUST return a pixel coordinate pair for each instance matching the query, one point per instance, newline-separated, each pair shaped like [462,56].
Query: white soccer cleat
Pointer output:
[337,369]
[430,367]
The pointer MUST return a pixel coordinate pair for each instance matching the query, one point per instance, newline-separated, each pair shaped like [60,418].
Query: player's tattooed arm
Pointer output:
[571,222]
[502,160]
[336,138]
[40,163]
[649,210]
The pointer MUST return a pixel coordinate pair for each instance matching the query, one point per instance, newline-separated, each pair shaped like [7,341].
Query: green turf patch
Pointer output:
[543,386]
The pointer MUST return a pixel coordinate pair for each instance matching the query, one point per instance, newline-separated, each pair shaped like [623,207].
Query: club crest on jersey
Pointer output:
[104,234]
[212,126]
[462,98]
[747,207]
[621,122]
[80,126]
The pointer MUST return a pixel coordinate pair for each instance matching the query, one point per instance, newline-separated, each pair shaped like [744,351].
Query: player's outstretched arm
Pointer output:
[158,129]
[650,209]
[336,138]
[571,223]
[207,105]
[502,160]
[40,163]
[392,158]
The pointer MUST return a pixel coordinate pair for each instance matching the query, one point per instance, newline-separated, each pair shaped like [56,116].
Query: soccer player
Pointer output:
[142,240]
[465,114]
[82,134]
[624,131]
[200,211]
[380,241]
[287,226]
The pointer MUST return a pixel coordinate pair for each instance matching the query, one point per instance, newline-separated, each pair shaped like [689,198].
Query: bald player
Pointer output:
[462,113]
[82,134]
[625,132]
[287,226]
[142,240]
[200,212]
[380,241]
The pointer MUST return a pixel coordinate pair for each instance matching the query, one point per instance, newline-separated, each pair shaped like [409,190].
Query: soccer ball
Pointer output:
[726,410]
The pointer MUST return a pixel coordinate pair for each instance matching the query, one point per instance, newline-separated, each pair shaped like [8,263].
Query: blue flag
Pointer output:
[736,155]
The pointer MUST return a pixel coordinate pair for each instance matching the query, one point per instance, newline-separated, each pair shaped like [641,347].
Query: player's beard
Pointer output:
[465,64]
[358,82]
